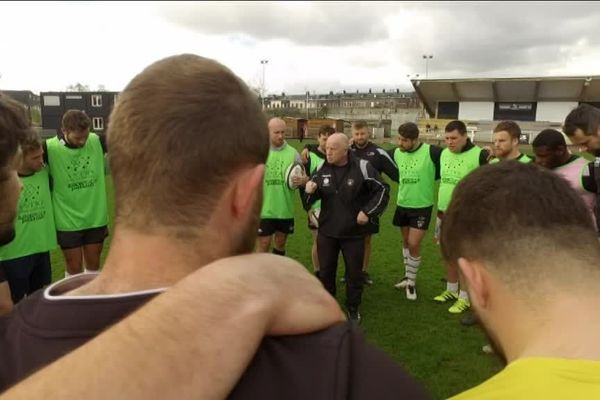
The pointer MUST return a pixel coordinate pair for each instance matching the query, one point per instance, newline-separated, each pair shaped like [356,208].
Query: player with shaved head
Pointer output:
[277,214]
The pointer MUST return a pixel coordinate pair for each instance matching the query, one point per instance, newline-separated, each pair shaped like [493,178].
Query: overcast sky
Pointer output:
[309,46]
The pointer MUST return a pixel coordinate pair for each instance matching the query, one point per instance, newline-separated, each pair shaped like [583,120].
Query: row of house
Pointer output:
[98,105]
[390,99]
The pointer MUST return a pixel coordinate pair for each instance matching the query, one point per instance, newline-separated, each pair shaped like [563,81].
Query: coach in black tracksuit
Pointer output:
[351,192]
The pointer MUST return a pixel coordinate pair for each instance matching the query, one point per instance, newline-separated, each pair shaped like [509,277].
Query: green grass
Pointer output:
[422,336]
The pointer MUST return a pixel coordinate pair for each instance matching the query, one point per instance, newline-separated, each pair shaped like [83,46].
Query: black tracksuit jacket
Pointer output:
[344,192]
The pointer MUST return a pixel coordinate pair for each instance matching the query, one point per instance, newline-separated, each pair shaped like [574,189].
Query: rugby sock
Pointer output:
[405,254]
[452,287]
[412,267]
[438,229]
[463,295]
[278,252]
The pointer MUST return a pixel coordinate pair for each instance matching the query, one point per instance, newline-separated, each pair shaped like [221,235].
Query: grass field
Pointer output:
[422,336]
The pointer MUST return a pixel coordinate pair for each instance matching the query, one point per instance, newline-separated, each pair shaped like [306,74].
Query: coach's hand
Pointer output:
[310,187]
[362,218]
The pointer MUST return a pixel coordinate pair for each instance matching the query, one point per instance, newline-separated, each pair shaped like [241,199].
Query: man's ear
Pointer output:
[475,277]
[247,186]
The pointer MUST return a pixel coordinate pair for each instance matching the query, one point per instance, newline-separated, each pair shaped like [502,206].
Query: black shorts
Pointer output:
[27,274]
[269,226]
[417,218]
[71,240]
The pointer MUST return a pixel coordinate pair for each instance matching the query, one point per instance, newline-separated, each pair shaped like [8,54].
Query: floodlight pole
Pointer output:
[427,57]
[264,65]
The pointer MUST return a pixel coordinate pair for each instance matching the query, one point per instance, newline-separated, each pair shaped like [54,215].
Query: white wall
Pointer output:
[553,111]
[476,110]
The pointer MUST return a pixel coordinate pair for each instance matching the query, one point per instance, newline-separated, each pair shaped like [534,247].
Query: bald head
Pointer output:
[277,131]
[337,149]
[339,138]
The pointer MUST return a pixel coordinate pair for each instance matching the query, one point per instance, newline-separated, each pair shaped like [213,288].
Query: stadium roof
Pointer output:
[566,88]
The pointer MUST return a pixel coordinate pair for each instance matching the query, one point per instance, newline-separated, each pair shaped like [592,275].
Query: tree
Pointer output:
[78,87]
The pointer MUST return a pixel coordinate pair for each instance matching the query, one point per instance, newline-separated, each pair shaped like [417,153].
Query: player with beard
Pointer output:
[75,159]
[524,244]
[364,149]
[506,147]
[419,167]
[582,127]
[277,213]
[550,149]
[282,299]
[506,143]
[171,221]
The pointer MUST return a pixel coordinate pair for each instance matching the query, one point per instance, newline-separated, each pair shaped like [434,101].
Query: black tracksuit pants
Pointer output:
[353,251]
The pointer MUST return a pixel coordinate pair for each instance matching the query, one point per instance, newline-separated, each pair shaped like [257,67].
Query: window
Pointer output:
[52,101]
[73,97]
[98,123]
[96,100]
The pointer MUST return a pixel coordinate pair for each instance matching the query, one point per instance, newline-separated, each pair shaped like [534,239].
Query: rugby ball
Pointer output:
[313,215]
[294,170]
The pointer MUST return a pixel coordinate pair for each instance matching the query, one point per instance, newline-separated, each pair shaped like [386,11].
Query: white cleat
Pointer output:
[411,292]
[402,284]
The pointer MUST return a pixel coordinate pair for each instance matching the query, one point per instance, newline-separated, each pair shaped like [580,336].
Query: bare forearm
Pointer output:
[162,351]
[195,340]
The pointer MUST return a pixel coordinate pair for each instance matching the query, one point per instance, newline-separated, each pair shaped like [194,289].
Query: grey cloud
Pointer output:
[511,38]
[467,39]
[323,24]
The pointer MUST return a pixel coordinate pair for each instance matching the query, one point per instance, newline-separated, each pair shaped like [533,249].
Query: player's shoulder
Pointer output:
[322,363]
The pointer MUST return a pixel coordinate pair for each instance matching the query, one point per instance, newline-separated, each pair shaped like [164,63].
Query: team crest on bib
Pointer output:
[420,222]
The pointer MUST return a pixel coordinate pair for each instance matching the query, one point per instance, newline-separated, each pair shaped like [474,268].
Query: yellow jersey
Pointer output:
[540,378]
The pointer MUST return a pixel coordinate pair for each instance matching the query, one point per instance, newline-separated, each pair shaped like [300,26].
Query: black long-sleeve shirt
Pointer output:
[379,159]
[344,192]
